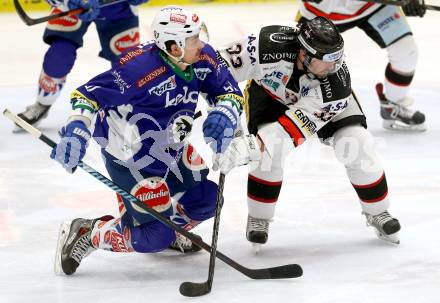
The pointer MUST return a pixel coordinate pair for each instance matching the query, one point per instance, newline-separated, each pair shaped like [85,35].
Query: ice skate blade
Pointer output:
[256,247]
[393,239]
[62,237]
[400,126]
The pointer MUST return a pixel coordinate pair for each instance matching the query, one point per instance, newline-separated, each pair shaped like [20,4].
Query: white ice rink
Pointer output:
[318,222]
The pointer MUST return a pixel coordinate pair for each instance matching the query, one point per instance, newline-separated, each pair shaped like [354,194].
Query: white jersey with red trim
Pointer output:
[270,58]
[339,11]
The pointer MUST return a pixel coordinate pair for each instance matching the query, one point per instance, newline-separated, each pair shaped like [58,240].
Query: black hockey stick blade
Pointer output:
[193,289]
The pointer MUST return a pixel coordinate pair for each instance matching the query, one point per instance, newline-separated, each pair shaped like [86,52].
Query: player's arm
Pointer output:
[318,104]
[241,58]
[222,92]
[111,88]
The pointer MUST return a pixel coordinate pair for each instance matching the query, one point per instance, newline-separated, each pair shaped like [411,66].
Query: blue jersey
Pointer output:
[145,105]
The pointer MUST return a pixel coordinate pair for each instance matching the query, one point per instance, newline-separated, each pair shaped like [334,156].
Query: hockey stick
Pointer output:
[402,3]
[32,21]
[193,289]
[279,272]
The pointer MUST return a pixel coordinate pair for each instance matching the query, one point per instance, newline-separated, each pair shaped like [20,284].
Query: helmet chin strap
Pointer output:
[178,59]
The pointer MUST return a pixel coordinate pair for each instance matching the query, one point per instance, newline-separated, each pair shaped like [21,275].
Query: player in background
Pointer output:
[144,108]
[300,87]
[387,26]
[118,30]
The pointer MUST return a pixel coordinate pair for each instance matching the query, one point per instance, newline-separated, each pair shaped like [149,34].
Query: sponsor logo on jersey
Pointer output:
[251,49]
[180,125]
[118,243]
[273,79]
[270,57]
[187,97]
[124,40]
[178,18]
[201,73]
[120,82]
[154,193]
[206,57]
[326,88]
[167,85]
[305,91]
[305,122]
[64,24]
[192,159]
[280,37]
[388,20]
[153,75]
[130,55]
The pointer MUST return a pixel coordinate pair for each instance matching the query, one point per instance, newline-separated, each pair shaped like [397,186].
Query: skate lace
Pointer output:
[399,111]
[379,220]
[80,249]
[258,224]
[182,243]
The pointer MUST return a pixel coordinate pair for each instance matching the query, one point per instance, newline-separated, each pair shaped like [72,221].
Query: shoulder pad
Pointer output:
[277,43]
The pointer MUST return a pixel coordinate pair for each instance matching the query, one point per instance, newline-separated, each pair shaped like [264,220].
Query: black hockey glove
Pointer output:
[415,8]
[313,1]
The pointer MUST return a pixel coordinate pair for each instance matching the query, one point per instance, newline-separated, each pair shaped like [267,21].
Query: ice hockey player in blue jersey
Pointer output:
[144,110]
[118,30]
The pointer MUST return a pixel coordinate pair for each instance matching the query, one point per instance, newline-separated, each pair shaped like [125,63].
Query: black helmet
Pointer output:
[320,39]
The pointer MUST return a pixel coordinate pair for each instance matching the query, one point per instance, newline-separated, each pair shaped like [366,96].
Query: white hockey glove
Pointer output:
[241,151]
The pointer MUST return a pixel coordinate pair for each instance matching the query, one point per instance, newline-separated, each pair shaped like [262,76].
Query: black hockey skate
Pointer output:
[398,116]
[185,245]
[386,227]
[257,231]
[33,114]
[73,245]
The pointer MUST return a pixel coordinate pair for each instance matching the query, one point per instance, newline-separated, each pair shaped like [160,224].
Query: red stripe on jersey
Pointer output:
[371,184]
[258,199]
[377,199]
[293,130]
[336,16]
[270,183]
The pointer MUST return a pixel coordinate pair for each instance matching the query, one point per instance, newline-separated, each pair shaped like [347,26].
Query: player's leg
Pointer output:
[264,182]
[117,36]
[64,36]
[354,148]
[134,230]
[396,37]
[195,197]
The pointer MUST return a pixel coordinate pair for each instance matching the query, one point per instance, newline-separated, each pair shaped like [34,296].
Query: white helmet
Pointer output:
[177,24]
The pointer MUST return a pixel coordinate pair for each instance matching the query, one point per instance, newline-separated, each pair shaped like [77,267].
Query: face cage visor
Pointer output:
[327,65]
[321,64]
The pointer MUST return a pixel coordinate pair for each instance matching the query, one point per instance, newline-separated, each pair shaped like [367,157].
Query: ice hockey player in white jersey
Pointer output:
[387,26]
[300,87]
